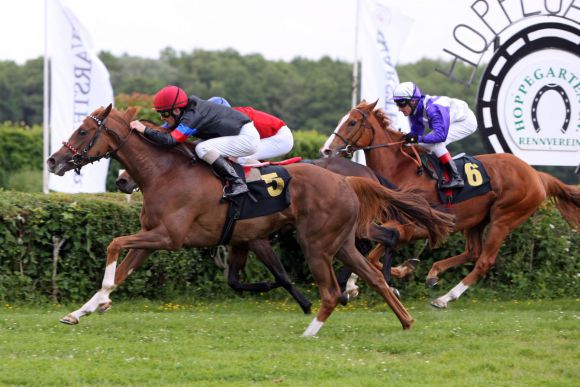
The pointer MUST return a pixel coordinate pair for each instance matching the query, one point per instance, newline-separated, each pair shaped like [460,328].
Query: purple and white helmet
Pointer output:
[406,91]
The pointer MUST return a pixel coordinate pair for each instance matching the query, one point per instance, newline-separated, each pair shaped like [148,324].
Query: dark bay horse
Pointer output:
[182,208]
[517,191]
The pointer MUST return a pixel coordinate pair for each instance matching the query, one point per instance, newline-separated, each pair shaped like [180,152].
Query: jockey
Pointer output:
[225,132]
[275,137]
[449,119]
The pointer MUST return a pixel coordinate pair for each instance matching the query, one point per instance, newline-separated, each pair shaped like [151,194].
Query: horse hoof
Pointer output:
[69,320]
[344,297]
[439,304]
[352,292]
[412,263]
[431,282]
[307,309]
[105,307]
[396,292]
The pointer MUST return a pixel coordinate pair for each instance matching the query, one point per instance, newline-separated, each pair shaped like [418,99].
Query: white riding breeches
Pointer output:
[458,130]
[274,146]
[244,144]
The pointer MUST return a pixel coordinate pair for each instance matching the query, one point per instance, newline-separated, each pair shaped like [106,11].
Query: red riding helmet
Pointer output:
[169,97]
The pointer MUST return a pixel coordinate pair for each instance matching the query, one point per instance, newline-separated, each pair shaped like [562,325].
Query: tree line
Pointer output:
[307,94]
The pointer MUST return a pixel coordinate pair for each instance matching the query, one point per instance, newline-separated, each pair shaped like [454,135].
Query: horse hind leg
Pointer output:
[330,293]
[372,276]
[498,230]
[473,246]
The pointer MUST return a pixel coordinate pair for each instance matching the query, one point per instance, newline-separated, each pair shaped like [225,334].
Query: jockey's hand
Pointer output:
[138,126]
[411,138]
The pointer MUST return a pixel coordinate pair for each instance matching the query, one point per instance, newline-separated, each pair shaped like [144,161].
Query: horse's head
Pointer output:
[353,132]
[125,182]
[100,135]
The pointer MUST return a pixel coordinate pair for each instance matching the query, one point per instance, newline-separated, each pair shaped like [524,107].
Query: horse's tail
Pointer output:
[380,203]
[565,197]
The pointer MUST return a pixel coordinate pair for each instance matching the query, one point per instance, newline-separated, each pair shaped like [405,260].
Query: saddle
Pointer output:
[474,175]
[268,194]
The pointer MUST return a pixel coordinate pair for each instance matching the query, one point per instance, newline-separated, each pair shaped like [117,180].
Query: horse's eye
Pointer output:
[352,123]
[82,132]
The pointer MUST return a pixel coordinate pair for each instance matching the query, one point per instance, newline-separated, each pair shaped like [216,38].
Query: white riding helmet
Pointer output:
[406,90]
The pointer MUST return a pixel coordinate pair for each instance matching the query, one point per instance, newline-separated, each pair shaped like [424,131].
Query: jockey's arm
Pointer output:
[161,138]
[439,124]
[178,135]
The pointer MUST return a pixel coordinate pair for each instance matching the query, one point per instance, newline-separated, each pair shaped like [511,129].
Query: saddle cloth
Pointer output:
[474,175]
[268,186]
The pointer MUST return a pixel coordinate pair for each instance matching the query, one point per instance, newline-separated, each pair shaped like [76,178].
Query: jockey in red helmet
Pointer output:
[225,132]
[449,120]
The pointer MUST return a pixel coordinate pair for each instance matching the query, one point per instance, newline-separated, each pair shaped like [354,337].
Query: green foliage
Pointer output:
[29,180]
[539,260]
[307,94]
[20,147]
[87,223]
[307,144]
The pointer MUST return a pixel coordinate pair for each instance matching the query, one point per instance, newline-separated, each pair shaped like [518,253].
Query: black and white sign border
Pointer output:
[505,58]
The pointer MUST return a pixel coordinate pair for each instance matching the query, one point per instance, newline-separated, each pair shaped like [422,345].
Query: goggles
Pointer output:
[402,102]
[165,113]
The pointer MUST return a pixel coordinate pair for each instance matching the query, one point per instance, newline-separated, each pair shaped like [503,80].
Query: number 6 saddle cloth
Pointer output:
[472,171]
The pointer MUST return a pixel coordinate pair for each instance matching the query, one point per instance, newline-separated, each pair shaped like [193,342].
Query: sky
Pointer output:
[277,29]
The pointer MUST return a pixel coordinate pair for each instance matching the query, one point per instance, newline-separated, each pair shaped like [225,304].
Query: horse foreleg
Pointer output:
[141,245]
[265,253]
[113,278]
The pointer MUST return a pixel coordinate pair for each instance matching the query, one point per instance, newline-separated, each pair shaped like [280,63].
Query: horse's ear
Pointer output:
[131,112]
[107,110]
[372,105]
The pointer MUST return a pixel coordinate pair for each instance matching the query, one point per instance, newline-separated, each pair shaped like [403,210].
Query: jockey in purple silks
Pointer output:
[449,119]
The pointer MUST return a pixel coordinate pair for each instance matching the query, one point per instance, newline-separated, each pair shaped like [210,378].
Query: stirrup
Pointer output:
[233,193]
[452,184]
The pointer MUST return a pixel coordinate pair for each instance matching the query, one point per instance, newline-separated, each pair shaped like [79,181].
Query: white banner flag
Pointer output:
[79,84]
[383,32]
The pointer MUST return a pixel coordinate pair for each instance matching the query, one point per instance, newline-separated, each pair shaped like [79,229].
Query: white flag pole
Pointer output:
[355,64]
[45,119]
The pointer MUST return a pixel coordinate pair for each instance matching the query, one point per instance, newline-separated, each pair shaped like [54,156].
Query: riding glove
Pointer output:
[411,138]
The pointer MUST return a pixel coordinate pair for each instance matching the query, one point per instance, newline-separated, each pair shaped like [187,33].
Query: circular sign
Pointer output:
[529,96]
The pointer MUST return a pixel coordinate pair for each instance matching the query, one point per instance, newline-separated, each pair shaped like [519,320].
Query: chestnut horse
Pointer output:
[517,190]
[182,208]
[265,253]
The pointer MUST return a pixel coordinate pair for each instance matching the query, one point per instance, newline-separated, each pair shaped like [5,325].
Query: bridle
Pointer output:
[349,148]
[82,158]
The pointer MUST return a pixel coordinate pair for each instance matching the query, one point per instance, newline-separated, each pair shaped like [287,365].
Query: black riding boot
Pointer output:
[455,179]
[225,170]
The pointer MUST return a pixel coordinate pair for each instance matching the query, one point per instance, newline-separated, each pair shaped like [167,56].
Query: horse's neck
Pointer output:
[389,161]
[146,163]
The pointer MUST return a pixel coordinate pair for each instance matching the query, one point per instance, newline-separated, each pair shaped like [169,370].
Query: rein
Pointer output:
[82,158]
[349,149]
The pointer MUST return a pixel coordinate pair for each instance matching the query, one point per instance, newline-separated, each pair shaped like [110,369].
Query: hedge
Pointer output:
[539,260]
